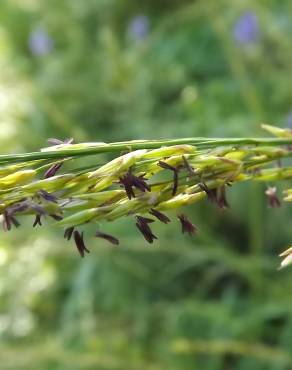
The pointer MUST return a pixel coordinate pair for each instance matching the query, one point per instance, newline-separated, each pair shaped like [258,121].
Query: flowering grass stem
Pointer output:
[147,177]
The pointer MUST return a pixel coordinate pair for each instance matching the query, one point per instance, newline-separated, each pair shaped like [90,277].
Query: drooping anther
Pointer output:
[37,221]
[175,171]
[142,225]
[272,198]
[79,241]
[159,215]
[56,217]
[68,232]
[186,225]
[48,196]
[107,237]
[188,167]
[130,181]
[8,221]
[211,193]
[53,170]
[221,197]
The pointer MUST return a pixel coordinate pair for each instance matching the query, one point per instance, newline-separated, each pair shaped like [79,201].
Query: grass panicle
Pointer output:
[145,179]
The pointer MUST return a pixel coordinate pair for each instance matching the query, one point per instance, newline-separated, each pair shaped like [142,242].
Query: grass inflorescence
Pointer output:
[144,181]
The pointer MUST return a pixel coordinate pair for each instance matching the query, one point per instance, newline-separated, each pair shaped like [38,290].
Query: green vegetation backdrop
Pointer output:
[109,70]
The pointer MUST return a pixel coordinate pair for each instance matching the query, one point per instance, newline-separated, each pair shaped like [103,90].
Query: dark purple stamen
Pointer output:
[166,166]
[18,207]
[68,232]
[186,225]
[37,221]
[8,219]
[273,200]
[47,196]
[188,167]
[142,225]
[140,183]
[175,170]
[22,207]
[211,193]
[107,237]
[221,198]
[159,215]
[14,221]
[53,170]
[79,241]
[129,181]
[145,220]
[175,182]
[56,217]
[128,187]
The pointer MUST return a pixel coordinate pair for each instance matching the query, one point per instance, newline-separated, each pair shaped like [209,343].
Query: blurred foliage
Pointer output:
[107,70]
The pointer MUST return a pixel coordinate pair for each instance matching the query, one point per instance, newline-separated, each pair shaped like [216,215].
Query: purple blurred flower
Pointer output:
[40,42]
[246,29]
[138,27]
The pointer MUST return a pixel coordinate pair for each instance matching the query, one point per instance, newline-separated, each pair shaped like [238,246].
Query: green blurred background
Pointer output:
[109,70]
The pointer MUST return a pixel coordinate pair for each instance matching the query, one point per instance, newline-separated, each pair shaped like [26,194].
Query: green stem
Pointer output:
[200,143]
